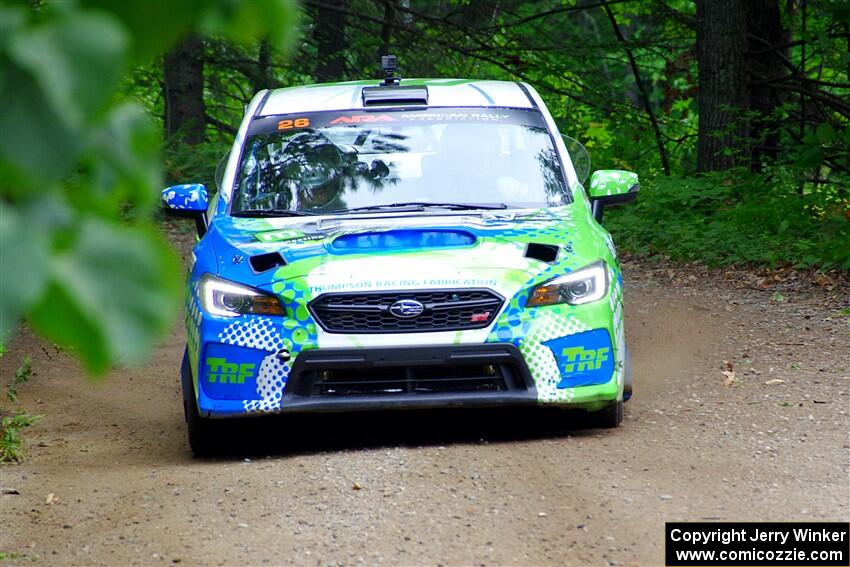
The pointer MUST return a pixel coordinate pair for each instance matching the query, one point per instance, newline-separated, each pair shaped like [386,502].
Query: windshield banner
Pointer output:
[288,122]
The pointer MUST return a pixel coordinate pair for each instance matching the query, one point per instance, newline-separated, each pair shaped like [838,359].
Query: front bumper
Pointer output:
[571,356]
[235,380]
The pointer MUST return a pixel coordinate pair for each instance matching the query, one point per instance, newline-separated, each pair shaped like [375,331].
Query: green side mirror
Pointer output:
[604,183]
[611,187]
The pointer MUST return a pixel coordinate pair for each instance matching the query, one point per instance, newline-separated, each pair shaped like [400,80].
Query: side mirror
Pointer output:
[611,187]
[188,201]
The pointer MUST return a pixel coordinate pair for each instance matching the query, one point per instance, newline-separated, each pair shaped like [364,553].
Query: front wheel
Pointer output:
[205,435]
[608,417]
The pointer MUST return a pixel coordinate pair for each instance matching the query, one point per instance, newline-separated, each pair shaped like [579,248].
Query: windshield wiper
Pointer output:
[270,213]
[422,205]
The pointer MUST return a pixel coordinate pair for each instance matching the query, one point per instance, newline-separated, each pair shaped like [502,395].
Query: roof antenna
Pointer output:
[389,63]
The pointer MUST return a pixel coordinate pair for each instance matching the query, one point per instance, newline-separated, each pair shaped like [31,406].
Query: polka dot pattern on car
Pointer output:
[271,379]
[193,324]
[261,333]
[297,332]
[257,332]
[548,324]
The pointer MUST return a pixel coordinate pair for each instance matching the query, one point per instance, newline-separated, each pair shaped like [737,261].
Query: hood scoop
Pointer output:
[264,262]
[543,252]
[387,240]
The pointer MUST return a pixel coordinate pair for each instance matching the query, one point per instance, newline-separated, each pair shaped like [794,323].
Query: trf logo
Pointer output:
[581,360]
[584,359]
[225,372]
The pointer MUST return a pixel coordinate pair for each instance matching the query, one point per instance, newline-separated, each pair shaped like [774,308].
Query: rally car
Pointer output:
[401,244]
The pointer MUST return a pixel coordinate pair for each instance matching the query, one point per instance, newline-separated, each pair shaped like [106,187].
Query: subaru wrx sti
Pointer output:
[401,244]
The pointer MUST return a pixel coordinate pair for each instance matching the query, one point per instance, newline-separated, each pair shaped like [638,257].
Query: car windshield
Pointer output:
[330,162]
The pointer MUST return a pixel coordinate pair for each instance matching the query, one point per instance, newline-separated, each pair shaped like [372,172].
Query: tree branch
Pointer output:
[662,151]
[221,125]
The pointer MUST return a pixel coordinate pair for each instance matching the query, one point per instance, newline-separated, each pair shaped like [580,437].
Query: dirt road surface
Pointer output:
[497,487]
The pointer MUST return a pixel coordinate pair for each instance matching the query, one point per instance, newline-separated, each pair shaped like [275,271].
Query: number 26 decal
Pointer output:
[290,124]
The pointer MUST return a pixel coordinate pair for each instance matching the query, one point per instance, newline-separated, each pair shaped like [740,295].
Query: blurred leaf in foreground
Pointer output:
[80,169]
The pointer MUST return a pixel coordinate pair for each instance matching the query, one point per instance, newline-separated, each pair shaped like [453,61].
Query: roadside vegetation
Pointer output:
[737,217]
[14,418]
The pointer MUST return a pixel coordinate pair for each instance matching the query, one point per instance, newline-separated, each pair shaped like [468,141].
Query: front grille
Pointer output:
[443,310]
[410,380]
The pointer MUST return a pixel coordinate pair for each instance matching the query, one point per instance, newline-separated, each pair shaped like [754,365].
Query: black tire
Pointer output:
[205,435]
[608,417]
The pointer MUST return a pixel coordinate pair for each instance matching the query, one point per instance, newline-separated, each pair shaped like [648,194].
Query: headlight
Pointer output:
[227,299]
[581,286]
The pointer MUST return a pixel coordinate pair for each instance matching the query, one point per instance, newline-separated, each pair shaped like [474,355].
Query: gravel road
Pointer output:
[109,478]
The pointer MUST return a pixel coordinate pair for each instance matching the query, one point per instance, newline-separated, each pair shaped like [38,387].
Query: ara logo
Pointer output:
[223,372]
[362,118]
[584,358]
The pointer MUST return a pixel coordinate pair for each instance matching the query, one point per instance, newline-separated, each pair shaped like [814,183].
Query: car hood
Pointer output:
[501,250]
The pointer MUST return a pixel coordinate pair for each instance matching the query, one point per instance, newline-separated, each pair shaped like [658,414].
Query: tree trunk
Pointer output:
[264,77]
[329,33]
[184,91]
[723,93]
[387,28]
[765,36]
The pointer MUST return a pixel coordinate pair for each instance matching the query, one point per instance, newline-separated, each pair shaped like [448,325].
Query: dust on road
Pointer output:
[462,487]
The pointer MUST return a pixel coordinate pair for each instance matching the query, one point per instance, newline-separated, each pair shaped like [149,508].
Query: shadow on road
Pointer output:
[320,432]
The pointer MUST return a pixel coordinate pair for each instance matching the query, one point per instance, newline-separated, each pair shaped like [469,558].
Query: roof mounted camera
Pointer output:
[390,92]
[389,63]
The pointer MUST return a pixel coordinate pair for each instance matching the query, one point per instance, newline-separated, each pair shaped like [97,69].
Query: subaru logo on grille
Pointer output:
[406,308]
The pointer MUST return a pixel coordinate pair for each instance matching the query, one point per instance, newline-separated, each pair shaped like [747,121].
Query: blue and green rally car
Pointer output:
[401,244]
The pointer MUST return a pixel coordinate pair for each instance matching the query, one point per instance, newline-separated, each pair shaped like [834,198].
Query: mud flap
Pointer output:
[627,376]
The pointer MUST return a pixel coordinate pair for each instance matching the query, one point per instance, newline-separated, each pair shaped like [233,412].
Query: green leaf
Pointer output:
[825,133]
[11,19]
[810,157]
[840,10]
[110,294]
[36,146]
[77,61]
[245,22]
[24,250]
[152,31]
[123,161]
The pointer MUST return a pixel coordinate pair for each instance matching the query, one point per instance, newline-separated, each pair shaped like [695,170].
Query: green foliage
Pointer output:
[737,218]
[11,426]
[81,169]
[22,375]
[156,26]
[11,555]
[11,439]
[569,52]
[193,163]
